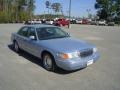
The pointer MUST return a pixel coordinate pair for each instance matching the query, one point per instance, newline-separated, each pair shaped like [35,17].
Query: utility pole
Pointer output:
[44,15]
[88,11]
[69,13]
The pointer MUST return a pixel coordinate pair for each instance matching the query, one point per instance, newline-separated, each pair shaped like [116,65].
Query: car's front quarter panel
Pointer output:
[41,48]
[58,46]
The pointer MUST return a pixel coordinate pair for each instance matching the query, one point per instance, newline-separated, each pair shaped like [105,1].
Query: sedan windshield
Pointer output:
[51,33]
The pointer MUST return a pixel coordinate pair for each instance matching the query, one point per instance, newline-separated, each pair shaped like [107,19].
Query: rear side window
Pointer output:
[23,31]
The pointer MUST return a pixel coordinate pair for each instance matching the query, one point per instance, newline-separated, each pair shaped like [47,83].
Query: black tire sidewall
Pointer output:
[15,42]
[53,62]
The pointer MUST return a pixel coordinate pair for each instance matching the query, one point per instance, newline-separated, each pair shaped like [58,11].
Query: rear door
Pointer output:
[22,37]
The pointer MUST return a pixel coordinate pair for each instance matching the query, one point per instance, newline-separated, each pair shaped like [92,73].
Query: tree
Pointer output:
[118,8]
[1,5]
[117,12]
[56,7]
[30,7]
[16,10]
[107,8]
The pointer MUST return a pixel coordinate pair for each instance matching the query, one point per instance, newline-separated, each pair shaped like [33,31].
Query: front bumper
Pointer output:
[76,63]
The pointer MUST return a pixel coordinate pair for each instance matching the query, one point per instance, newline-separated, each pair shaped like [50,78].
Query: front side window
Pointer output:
[31,32]
[51,33]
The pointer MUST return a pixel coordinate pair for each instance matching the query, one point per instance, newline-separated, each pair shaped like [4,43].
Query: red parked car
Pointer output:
[61,22]
[85,21]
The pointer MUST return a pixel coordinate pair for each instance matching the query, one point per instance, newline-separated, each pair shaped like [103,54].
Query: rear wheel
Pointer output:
[16,47]
[48,62]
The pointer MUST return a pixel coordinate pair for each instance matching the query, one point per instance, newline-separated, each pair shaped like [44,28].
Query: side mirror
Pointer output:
[32,38]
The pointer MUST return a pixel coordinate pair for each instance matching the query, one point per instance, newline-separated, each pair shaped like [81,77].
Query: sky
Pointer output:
[78,8]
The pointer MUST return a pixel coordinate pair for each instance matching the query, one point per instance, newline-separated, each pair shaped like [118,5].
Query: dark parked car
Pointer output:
[111,23]
[93,22]
[73,21]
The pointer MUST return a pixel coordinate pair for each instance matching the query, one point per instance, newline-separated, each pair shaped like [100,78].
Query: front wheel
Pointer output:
[48,62]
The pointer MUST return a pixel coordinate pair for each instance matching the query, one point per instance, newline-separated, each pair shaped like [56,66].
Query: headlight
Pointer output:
[68,55]
[94,49]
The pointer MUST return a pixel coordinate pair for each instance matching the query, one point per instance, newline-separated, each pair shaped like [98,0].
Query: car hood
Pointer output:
[65,44]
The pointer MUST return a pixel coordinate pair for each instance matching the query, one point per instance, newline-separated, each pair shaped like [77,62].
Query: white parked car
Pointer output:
[78,21]
[101,22]
[49,22]
[38,21]
[31,22]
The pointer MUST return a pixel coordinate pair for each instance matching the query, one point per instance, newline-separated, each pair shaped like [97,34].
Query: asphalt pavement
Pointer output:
[25,72]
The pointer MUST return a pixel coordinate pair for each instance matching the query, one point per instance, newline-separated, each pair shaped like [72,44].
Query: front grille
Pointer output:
[86,53]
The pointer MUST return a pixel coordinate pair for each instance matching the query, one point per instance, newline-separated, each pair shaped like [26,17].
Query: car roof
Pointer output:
[40,26]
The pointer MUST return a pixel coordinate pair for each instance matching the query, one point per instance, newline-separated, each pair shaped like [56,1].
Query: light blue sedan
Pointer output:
[55,47]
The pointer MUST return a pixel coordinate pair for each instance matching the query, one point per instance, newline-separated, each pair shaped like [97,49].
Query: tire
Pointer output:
[48,62]
[16,47]
[61,25]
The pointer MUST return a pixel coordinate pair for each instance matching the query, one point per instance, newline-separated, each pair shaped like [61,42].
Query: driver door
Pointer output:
[32,46]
